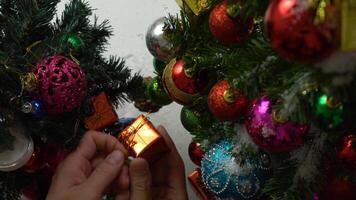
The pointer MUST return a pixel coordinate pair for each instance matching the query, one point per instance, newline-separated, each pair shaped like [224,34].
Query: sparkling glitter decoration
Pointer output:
[62,84]
[227,177]
[270,133]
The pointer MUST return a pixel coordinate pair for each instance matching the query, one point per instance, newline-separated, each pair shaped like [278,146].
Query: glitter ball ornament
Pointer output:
[295,32]
[156,92]
[227,178]
[191,119]
[270,133]
[227,29]
[180,86]
[348,151]
[226,103]
[61,84]
[329,110]
[195,152]
[157,43]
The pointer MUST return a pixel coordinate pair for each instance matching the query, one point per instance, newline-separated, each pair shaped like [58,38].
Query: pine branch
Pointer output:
[74,17]
[300,174]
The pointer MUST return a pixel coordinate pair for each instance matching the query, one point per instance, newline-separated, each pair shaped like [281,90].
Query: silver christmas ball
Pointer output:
[27,107]
[156,42]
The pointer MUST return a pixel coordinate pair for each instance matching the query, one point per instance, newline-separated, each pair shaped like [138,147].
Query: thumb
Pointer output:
[105,173]
[140,180]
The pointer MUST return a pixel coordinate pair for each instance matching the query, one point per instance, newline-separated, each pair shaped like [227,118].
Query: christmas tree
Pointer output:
[268,95]
[54,85]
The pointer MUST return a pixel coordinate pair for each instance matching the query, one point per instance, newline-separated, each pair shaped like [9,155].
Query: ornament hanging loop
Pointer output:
[277,118]
[29,49]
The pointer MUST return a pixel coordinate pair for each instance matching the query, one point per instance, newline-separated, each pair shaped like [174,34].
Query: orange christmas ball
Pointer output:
[226,103]
[226,29]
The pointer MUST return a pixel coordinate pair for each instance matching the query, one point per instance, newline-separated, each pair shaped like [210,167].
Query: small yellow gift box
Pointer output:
[348,28]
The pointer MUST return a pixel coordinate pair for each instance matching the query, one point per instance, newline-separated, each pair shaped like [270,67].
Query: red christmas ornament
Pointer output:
[294,33]
[337,189]
[36,161]
[62,84]
[226,103]
[226,29]
[348,151]
[181,87]
[196,154]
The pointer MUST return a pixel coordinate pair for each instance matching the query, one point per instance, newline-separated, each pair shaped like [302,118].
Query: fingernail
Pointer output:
[115,158]
[140,167]
[128,160]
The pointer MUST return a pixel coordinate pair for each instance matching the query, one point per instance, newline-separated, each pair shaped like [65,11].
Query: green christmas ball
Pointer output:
[329,110]
[74,41]
[159,65]
[191,119]
[157,94]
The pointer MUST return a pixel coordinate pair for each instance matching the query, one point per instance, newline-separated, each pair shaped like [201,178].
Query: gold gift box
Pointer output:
[143,140]
[195,179]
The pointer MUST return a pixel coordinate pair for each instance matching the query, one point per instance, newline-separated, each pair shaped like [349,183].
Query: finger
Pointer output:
[94,141]
[105,173]
[123,181]
[72,171]
[140,180]
[123,195]
[99,158]
[173,164]
[167,138]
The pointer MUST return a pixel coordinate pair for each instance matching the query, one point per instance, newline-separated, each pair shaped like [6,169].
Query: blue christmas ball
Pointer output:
[37,108]
[229,176]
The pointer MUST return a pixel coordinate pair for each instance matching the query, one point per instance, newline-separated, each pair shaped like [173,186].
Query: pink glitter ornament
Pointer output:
[268,133]
[61,84]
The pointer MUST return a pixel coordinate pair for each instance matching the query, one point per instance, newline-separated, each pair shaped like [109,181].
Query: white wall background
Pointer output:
[130,20]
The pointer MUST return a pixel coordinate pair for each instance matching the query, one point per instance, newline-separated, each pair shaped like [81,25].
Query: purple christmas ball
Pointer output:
[62,84]
[270,134]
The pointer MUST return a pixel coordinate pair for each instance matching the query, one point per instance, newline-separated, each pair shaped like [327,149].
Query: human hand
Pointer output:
[163,180]
[90,170]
